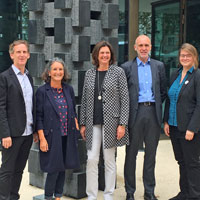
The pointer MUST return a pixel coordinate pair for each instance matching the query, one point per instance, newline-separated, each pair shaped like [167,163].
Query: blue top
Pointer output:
[145,82]
[173,94]
[62,107]
[28,98]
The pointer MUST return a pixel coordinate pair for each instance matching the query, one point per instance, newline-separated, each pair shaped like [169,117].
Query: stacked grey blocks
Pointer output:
[75,183]
[68,29]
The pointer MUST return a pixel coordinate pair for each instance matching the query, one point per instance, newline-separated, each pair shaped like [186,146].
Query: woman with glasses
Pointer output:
[182,122]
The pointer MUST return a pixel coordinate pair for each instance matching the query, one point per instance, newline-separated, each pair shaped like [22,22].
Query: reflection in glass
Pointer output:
[24,19]
[145,17]
[13,25]
[166,30]
[123,32]
[192,23]
[145,23]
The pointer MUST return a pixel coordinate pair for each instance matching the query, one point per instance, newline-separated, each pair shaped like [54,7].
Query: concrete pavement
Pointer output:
[166,176]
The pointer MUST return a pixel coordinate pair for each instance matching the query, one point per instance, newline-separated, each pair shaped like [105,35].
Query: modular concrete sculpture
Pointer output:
[68,29]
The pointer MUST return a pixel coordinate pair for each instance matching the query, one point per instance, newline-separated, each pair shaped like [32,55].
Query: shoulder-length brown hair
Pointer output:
[193,51]
[95,53]
[45,75]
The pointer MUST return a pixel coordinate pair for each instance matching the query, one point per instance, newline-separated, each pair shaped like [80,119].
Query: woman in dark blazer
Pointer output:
[56,125]
[182,121]
[104,117]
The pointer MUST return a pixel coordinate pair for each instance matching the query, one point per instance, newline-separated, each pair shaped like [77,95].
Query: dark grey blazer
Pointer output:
[188,104]
[158,84]
[12,105]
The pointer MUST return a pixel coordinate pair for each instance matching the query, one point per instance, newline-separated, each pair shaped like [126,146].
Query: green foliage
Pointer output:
[24,18]
[145,23]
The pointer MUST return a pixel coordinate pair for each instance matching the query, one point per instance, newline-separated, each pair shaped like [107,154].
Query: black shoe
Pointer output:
[130,196]
[179,196]
[149,196]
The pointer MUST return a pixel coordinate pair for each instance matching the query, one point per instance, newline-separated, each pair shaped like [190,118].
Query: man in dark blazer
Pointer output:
[16,120]
[147,90]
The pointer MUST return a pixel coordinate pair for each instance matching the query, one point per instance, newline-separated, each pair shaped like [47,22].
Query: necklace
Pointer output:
[99,91]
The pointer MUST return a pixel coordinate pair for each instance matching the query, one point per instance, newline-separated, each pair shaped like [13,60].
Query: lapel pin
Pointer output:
[186,82]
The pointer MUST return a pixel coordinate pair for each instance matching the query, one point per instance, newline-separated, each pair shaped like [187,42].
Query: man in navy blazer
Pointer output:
[147,90]
[16,120]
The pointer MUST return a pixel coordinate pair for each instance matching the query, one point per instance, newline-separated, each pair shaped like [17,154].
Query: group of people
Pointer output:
[119,106]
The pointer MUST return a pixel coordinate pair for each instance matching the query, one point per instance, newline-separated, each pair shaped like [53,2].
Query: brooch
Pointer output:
[186,82]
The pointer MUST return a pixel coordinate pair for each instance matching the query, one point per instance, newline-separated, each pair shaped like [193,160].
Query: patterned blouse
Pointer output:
[62,107]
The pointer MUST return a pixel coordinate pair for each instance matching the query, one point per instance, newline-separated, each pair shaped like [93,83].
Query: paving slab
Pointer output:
[166,176]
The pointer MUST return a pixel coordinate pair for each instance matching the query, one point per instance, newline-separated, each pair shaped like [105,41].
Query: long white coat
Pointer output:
[115,100]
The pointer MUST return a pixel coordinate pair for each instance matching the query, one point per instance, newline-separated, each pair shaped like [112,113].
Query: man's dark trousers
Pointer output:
[147,129]
[14,158]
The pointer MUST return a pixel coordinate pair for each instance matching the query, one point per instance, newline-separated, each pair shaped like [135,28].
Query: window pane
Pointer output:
[13,25]
[192,23]
[123,31]
[166,31]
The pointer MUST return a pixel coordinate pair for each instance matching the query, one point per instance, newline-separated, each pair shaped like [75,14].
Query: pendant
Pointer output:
[99,97]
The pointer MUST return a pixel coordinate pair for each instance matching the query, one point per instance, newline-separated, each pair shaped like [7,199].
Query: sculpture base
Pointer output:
[40,197]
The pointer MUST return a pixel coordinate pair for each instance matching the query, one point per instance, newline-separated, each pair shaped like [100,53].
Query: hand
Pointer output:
[120,132]
[166,129]
[189,135]
[44,145]
[35,137]
[82,131]
[7,142]
[76,123]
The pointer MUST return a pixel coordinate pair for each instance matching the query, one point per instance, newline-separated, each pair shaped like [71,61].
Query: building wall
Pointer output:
[69,29]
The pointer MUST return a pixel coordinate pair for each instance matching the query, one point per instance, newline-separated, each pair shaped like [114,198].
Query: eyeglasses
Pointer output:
[185,55]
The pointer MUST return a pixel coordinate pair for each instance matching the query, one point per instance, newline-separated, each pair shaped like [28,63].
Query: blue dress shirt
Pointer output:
[173,94]
[145,81]
[28,98]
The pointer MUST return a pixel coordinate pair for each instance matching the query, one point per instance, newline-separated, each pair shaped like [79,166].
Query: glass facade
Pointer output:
[12,26]
[174,22]
[160,20]
[24,19]
[192,23]
[165,33]
[123,31]
[145,17]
